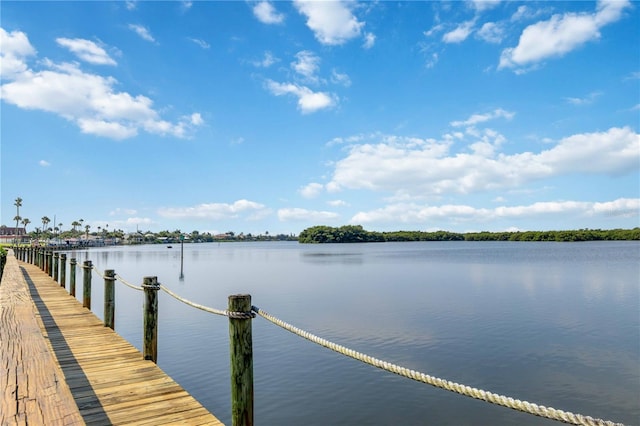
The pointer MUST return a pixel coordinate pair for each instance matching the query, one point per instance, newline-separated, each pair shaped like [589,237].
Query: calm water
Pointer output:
[551,323]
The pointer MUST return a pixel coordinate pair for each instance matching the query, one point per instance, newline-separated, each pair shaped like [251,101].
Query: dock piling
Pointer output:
[109,298]
[54,274]
[241,348]
[86,284]
[150,318]
[63,270]
[72,276]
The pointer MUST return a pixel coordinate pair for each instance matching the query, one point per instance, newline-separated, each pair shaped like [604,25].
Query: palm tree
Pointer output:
[45,222]
[25,222]
[18,204]
[74,225]
[86,228]
[17,219]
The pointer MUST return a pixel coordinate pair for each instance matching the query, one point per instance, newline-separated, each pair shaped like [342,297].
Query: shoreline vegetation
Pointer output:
[314,235]
[357,234]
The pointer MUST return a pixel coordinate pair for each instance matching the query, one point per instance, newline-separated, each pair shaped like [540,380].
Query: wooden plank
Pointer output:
[107,376]
[34,390]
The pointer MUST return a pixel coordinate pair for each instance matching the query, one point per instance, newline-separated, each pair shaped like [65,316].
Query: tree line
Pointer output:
[357,234]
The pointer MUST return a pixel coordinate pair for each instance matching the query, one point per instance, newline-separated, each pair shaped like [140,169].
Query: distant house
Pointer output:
[8,234]
[136,238]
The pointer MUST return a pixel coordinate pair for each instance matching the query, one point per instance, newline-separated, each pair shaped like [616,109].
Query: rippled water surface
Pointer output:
[552,323]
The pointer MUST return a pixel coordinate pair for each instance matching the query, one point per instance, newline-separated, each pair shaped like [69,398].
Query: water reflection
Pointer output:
[554,323]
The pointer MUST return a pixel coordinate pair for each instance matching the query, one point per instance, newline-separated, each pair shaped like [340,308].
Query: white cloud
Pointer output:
[331,21]
[215,211]
[44,163]
[369,40]
[625,207]
[87,50]
[311,190]
[491,33]
[296,214]
[482,5]
[587,100]
[200,43]
[139,221]
[431,60]
[481,118]
[337,203]
[130,4]
[142,32]
[267,14]
[196,119]
[107,129]
[266,61]
[561,34]
[416,213]
[340,78]
[418,168]
[119,211]
[15,50]
[88,100]
[308,100]
[307,64]
[435,29]
[460,33]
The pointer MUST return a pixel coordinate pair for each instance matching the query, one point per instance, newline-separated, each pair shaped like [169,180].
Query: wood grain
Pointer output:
[33,387]
[108,377]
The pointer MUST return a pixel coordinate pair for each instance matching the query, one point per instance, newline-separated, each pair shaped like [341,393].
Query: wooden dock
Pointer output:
[107,377]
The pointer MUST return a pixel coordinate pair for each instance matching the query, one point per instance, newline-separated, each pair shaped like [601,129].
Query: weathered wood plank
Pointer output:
[34,390]
[109,379]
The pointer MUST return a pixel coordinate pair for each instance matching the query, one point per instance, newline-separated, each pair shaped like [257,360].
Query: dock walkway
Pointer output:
[107,376]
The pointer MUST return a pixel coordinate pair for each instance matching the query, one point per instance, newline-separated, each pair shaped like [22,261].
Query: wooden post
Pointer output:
[86,284]
[241,349]
[72,276]
[54,274]
[150,318]
[63,270]
[50,263]
[109,298]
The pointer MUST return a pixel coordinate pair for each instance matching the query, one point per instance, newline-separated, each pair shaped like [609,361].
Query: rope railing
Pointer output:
[97,271]
[128,284]
[251,312]
[515,404]
[193,304]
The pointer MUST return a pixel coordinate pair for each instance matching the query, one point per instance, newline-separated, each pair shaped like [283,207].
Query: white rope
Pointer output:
[524,406]
[122,280]
[195,305]
[97,271]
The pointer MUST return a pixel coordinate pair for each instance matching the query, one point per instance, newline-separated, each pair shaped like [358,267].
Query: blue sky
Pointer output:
[275,116]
